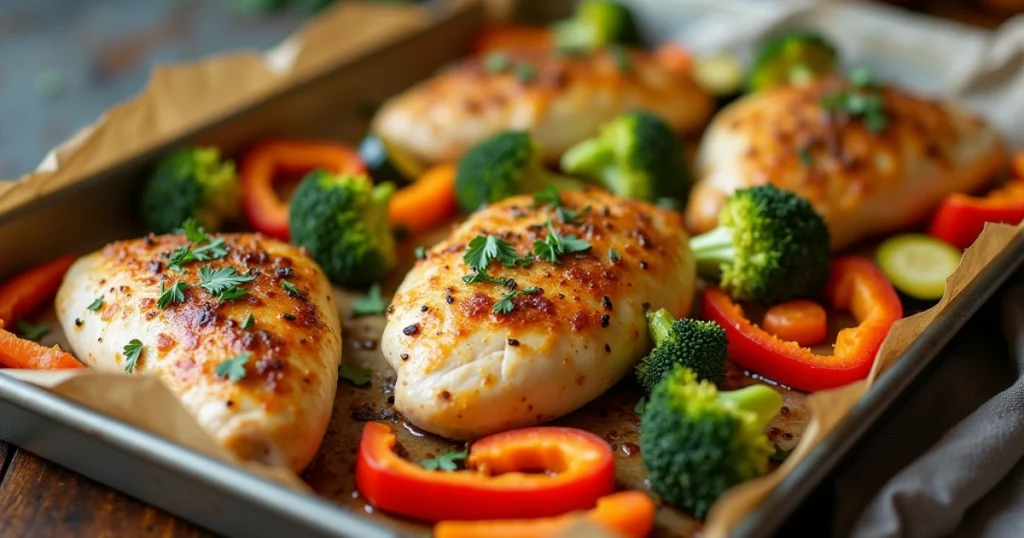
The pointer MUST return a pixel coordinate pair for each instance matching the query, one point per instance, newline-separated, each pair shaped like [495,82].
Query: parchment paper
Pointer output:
[984,69]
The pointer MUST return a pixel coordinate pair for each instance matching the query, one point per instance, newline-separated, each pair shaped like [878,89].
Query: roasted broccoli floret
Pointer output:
[698,345]
[343,221]
[697,442]
[191,183]
[504,165]
[636,155]
[770,246]
[795,57]
[595,24]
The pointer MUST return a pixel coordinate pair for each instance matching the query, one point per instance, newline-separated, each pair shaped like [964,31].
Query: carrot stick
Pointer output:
[27,291]
[19,353]
[427,202]
[629,513]
[800,321]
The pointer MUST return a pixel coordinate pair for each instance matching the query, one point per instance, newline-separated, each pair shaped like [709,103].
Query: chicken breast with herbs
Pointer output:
[560,100]
[481,357]
[259,371]
[871,158]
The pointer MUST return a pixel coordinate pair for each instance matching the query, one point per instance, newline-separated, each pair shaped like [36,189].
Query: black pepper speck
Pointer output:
[513,342]
[411,329]
[449,299]
[404,356]
[78,322]
[424,308]
[608,348]
[605,319]
[606,303]
[643,265]
[289,317]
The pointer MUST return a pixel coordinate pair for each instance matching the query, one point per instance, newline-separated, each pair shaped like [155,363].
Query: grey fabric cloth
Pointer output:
[951,460]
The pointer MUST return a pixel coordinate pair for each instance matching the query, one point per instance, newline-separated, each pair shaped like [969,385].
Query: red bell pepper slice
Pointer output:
[513,38]
[855,284]
[20,353]
[262,165]
[961,218]
[629,514]
[501,482]
[28,290]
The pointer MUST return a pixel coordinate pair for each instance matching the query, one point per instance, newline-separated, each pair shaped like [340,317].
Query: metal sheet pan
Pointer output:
[232,502]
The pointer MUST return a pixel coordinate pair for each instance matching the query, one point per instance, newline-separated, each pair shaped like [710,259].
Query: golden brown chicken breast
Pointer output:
[263,387]
[477,358]
[561,100]
[870,158]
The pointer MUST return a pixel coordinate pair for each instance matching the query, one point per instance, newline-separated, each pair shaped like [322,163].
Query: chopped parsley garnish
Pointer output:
[211,251]
[173,294]
[32,332]
[232,294]
[525,73]
[613,255]
[354,374]
[290,288]
[554,246]
[96,304]
[569,216]
[481,277]
[223,281]
[446,462]
[505,304]
[497,61]
[483,249]
[193,231]
[249,322]
[862,101]
[196,252]
[233,368]
[132,352]
[548,196]
[371,304]
[420,252]
[640,406]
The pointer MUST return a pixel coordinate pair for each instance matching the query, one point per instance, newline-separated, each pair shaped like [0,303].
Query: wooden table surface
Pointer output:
[38,498]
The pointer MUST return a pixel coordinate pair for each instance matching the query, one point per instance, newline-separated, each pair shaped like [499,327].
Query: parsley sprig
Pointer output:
[171,295]
[223,282]
[371,304]
[196,251]
[446,462]
[353,374]
[481,277]
[505,304]
[862,100]
[233,368]
[132,352]
[554,246]
[96,304]
[29,331]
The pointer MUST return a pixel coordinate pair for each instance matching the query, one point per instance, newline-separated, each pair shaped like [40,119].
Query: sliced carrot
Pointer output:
[513,38]
[1018,165]
[628,513]
[28,290]
[674,58]
[800,321]
[20,353]
[427,202]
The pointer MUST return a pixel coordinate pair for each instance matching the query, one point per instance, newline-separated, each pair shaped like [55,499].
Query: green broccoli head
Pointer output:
[343,221]
[636,155]
[794,57]
[770,246]
[595,24]
[504,165]
[698,345]
[191,183]
[697,442]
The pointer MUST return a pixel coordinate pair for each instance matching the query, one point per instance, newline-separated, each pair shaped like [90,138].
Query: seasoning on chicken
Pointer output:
[242,328]
[532,308]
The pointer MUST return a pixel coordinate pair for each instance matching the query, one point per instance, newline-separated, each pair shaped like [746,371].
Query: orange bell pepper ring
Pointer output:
[629,514]
[263,164]
[502,480]
[428,202]
[28,290]
[855,284]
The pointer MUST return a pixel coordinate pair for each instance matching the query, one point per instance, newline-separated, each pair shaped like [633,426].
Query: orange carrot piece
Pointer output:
[674,58]
[629,513]
[28,290]
[427,202]
[20,353]
[800,321]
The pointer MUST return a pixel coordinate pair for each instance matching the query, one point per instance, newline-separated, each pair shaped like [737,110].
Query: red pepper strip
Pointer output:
[515,38]
[961,218]
[855,284]
[502,481]
[262,165]
[629,514]
[28,290]
[20,353]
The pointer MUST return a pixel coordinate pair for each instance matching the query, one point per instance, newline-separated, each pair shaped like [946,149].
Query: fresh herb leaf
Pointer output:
[497,61]
[525,73]
[32,332]
[446,462]
[96,304]
[613,255]
[621,56]
[554,246]
[354,374]
[640,406]
[804,154]
[420,252]
[483,249]
[481,277]
[132,352]
[780,455]
[862,77]
[548,196]
[371,304]
[218,281]
[180,256]
[173,294]
[249,322]
[505,304]
[193,231]
[862,101]
[569,216]
[290,288]
[233,368]
[214,250]
[232,294]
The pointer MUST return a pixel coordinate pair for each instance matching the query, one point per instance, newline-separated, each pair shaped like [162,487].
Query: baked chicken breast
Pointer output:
[561,100]
[275,405]
[466,368]
[868,172]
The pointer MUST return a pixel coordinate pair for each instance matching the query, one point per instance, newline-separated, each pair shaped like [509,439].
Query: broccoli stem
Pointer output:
[760,400]
[713,249]
[660,324]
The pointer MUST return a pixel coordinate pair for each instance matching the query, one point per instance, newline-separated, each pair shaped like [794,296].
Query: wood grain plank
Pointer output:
[4,461]
[40,499]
